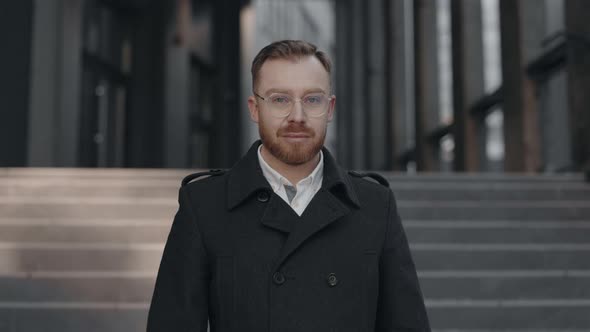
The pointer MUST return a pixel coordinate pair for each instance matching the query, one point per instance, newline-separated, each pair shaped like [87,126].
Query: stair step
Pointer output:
[85,233]
[77,289]
[501,316]
[430,232]
[490,194]
[55,317]
[488,211]
[509,330]
[169,192]
[483,177]
[527,286]
[102,257]
[63,172]
[500,257]
[123,210]
[464,315]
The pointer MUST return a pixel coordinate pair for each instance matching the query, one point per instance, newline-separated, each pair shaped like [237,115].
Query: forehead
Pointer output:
[294,75]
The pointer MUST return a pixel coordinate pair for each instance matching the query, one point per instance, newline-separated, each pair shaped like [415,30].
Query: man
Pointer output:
[286,241]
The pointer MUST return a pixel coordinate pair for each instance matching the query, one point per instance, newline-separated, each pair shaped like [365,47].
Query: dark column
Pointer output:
[519,22]
[427,82]
[578,68]
[343,82]
[226,135]
[359,86]
[16,19]
[352,83]
[376,140]
[467,82]
[176,128]
[401,59]
[54,107]
[145,137]
[391,149]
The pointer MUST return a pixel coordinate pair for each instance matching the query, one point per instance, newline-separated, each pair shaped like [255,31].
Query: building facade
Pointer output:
[126,83]
[421,85]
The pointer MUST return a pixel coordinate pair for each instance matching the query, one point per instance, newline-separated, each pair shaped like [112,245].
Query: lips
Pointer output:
[296,135]
[295,131]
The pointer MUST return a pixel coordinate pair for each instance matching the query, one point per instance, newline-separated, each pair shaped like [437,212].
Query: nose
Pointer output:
[297,113]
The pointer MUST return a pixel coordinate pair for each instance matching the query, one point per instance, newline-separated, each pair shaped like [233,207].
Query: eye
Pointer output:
[314,99]
[280,99]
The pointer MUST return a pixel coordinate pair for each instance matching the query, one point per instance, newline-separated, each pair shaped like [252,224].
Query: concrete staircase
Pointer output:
[500,252]
[79,248]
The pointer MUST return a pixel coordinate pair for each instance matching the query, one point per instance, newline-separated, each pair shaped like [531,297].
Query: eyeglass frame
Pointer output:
[302,107]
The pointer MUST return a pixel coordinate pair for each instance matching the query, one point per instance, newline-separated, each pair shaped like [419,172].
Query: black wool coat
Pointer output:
[240,258]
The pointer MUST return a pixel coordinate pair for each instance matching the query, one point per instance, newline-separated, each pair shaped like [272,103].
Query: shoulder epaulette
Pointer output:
[377,177]
[190,177]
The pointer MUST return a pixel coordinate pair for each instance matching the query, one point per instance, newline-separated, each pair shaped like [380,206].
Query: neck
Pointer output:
[293,173]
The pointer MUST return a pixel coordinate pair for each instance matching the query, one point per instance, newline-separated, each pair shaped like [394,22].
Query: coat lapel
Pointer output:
[275,217]
[323,210]
[333,201]
[246,180]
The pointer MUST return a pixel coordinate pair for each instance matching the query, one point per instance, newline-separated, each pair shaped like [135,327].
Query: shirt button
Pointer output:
[332,280]
[278,278]
[263,196]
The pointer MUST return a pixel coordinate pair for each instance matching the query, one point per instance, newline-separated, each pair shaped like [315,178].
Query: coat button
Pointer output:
[263,196]
[332,280]
[278,278]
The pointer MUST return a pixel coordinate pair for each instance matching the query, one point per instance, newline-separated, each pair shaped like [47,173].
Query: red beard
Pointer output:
[291,153]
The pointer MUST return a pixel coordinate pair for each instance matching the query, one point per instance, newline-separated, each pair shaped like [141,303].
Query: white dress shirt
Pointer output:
[306,187]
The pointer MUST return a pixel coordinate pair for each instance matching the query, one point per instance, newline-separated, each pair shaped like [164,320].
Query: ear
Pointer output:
[253,108]
[331,108]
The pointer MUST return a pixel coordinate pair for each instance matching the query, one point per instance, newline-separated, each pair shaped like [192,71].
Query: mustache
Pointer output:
[294,128]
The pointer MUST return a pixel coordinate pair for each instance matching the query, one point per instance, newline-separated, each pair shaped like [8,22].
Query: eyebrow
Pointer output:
[287,91]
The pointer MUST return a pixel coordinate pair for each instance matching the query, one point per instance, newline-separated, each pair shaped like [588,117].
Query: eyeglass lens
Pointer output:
[313,104]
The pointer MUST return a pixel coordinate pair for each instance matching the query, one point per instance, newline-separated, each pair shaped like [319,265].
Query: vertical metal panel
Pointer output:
[227,52]
[145,143]
[343,81]
[44,88]
[358,85]
[468,84]
[578,69]
[375,109]
[427,82]
[15,61]
[388,26]
[69,97]
[402,78]
[522,25]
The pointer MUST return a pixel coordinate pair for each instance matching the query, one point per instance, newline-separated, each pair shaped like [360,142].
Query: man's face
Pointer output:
[296,138]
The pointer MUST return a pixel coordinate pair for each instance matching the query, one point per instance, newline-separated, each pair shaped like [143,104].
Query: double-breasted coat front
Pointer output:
[240,258]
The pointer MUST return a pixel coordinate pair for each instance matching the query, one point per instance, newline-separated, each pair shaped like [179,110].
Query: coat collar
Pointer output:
[246,178]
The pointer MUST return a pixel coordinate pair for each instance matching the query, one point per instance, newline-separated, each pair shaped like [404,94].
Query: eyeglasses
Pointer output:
[281,105]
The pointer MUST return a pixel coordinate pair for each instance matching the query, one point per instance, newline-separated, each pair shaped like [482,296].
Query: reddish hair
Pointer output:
[288,49]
